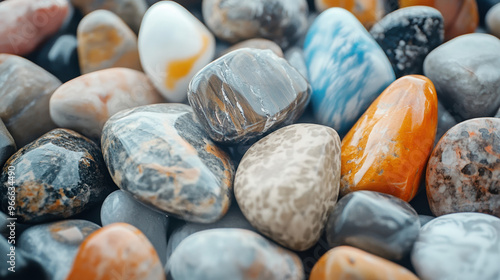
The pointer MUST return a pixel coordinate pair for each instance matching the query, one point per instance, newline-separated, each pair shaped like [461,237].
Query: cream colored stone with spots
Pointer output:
[288,182]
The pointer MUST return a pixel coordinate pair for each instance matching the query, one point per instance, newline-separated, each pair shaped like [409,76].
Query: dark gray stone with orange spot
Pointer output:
[161,155]
[58,175]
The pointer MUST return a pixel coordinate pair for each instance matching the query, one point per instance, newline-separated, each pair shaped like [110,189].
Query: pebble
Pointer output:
[57,176]
[387,149]
[466,73]
[25,90]
[55,245]
[347,69]
[493,20]
[256,43]
[377,223]
[117,251]
[345,262]
[407,35]
[295,56]
[120,207]
[24,24]
[7,144]
[460,246]
[25,267]
[236,101]
[282,21]
[87,102]
[171,165]
[445,122]
[288,182]
[484,6]
[463,173]
[246,255]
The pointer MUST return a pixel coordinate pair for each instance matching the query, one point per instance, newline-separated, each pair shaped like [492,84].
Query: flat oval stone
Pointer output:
[173,46]
[25,91]
[493,20]
[55,245]
[377,223]
[236,101]
[282,21]
[171,165]
[246,256]
[387,149]
[7,144]
[347,69]
[460,246]
[407,35]
[57,176]
[466,73]
[288,183]
[463,173]
[117,251]
[87,102]
[24,24]
[346,262]
[105,41]
[256,43]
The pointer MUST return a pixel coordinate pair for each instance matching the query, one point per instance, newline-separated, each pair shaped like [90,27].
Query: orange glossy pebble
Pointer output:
[387,149]
[348,263]
[117,251]
[368,12]
[460,16]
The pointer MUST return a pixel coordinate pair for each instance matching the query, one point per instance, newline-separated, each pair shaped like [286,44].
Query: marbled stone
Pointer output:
[25,91]
[459,246]
[236,100]
[87,102]
[288,182]
[120,207]
[55,245]
[493,20]
[24,266]
[171,164]
[377,223]
[7,144]
[24,24]
[407,35]
[466,73]
[295,56]
[282,21]
[463,173]
[256,43]
[58,175]
[483,7]
[105,41]
[345,263]
[235,254]
[347,68]
[445,122]
[387,149]
[117,251]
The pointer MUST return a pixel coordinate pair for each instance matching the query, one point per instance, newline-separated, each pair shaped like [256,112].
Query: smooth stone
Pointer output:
[459,246]
[288,182]
[493,20]
[25,91]
[236,101]
[117,251]
[483,7]
[387,149]
[256,43]
[171,165]
[424,219]
[463,173]
[377,223]
[347,69]
[282,21]
[408,35]
[295,56]
[466,73]
[24,24]
[445,122]
[55,245]
[87,102]
[130,11]
[239,253]
[105,41]
[120,207]
[24,266]
[57,176]
[7,144]
[345,262]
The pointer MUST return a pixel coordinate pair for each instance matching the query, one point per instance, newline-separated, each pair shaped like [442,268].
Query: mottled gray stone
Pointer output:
[7,144]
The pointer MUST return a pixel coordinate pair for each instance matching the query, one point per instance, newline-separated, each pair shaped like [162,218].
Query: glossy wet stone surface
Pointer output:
[463,173]
[347,69]
[236,101]
[387,149]
[247,255]
[378,223]
[7,144]
[57,176]
[25,266]
[493,20]
[458,246]
[161,155]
